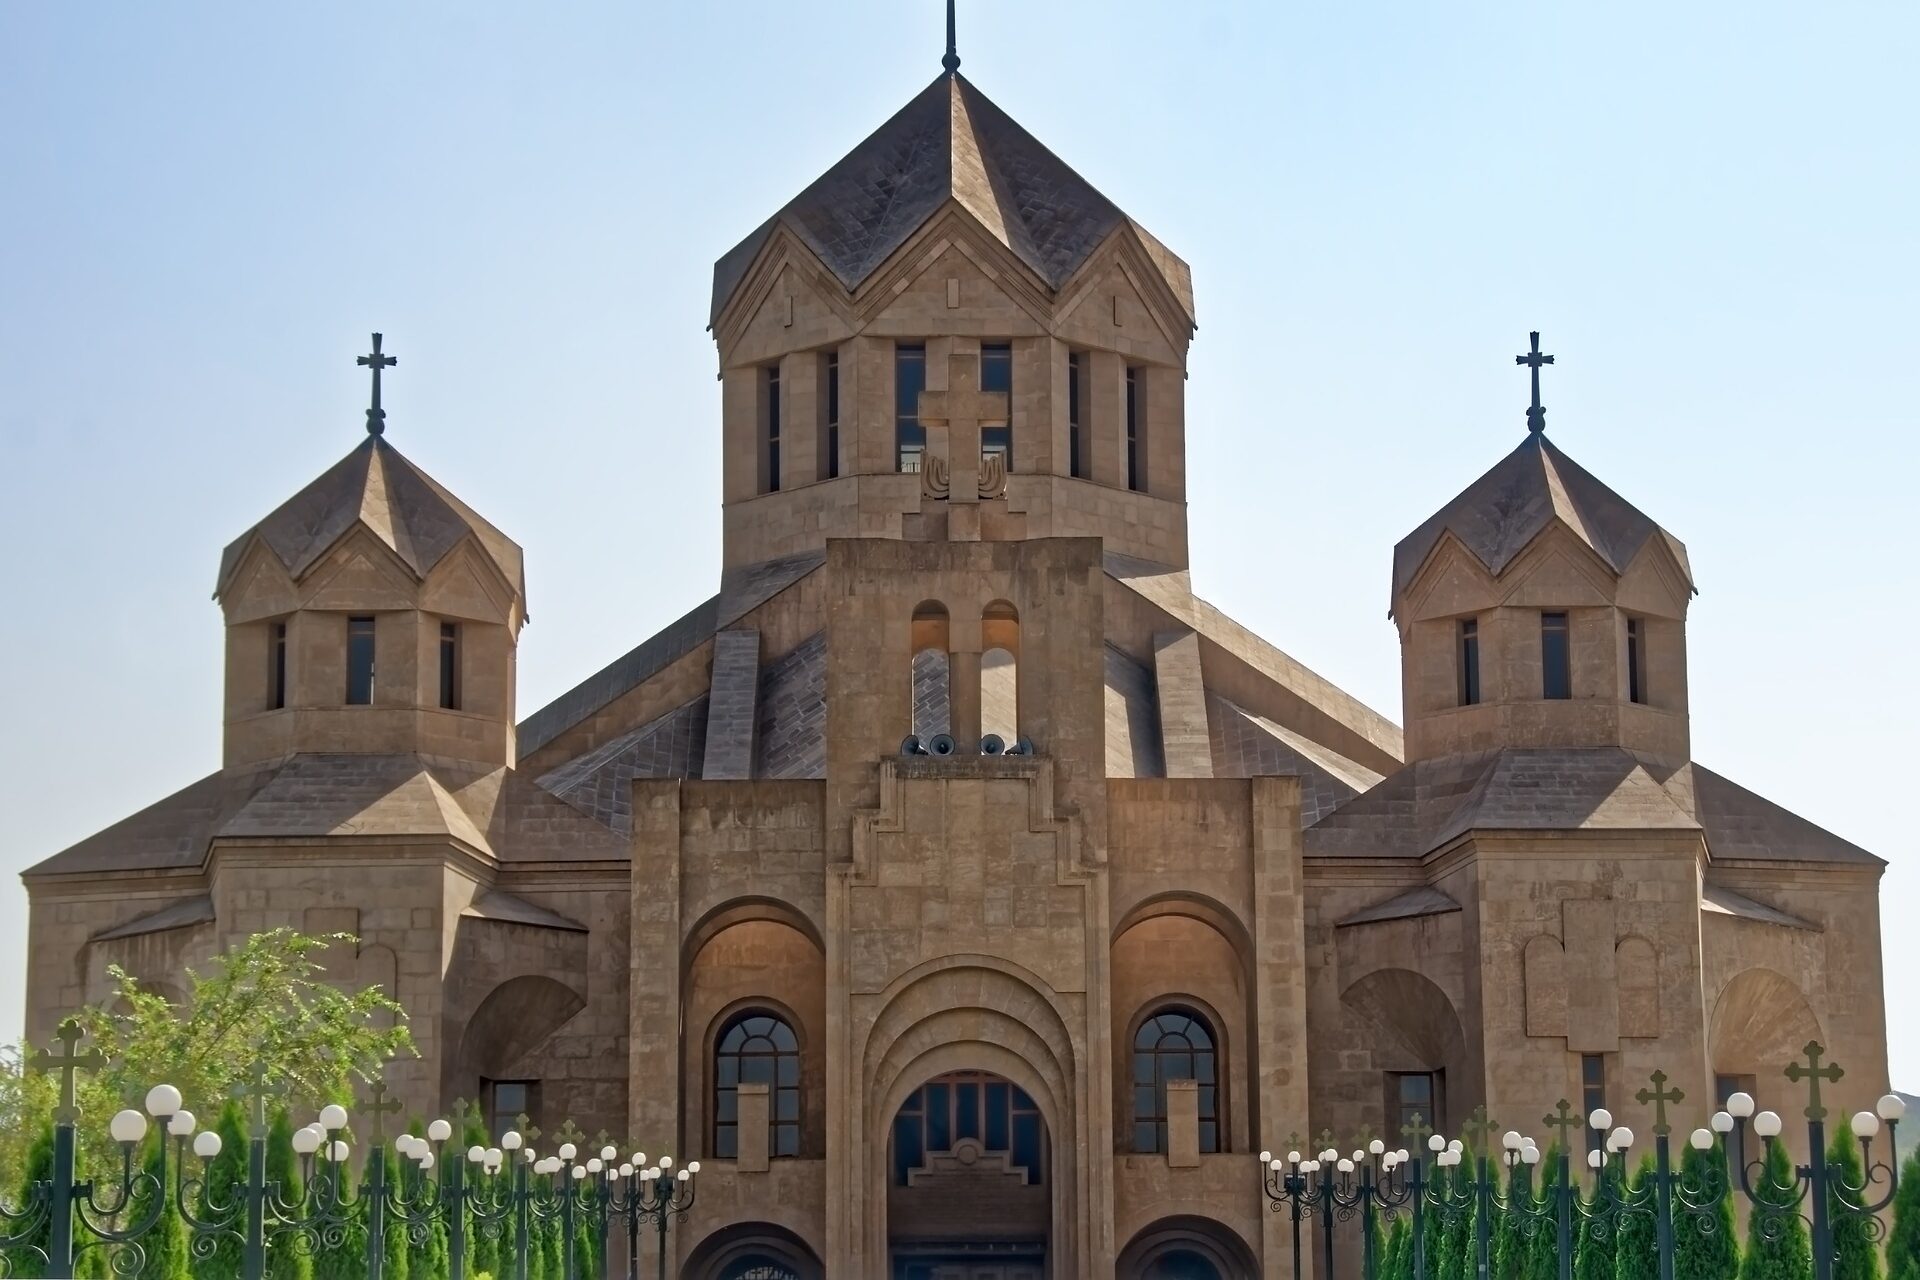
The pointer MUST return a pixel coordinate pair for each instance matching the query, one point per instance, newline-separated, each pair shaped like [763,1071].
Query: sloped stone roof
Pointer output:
[949,143]
[790,740]
[599,783]
[1744,826]
[1133,718]
[1424,900]
[1246,745]
[1497,515]
[377,487]
[1718,900]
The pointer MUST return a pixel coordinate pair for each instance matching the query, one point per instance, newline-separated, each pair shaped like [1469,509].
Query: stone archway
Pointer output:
[752,1251]
[1184,1247]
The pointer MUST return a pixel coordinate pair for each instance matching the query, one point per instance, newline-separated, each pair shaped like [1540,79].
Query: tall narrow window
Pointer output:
[1076,415]
[1636,660]
[359,661]
[277,667]
[1136,442]
[909,380]
[1415,1095]
[1556,669]
[450,665]
[508,1100]
[1174,1044]
[996,374]
[757,1048]
[1593,1092]
[1469,662]
[770,390]
[831,416]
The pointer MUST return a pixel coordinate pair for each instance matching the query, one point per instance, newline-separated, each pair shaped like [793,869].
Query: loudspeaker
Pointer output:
[992,745]
[943,744]
[911,746]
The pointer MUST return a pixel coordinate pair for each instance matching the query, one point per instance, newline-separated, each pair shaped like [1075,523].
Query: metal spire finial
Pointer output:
[952,61]
[376,416]
[1537,415]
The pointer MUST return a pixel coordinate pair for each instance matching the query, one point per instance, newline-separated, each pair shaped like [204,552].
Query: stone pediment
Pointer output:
[964,1168]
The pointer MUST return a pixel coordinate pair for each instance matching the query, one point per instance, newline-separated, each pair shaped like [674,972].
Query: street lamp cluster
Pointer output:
[501,1192]
[1441,1178]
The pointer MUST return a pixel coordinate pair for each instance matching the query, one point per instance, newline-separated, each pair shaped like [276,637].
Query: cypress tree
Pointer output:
[1543,1250]
[1788,1255]
[345,1256]
[286,1258]
[226,1183]
[1636,1251]
[1903,1244]
[430,1260]
[1399,1249]
[1509,1242]
[164,1248]
[1706,1250]
[394,1235]
[22,1260]
[1854,1254]
[1593,1258]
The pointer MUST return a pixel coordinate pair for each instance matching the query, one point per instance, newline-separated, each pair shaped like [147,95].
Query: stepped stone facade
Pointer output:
[1024,996]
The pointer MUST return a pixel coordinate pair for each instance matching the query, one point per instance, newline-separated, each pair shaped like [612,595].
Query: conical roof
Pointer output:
[377,487]
[949,143]
[1497,515]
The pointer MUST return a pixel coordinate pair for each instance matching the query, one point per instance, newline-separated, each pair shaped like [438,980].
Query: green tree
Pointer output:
[1903,1244]
[164,1247]
[1543,1249]
[1855,1256]
[393,1234]
[1593,1256]
[1636,1251]
[1509,1241]
[225,1181]
[286,1260]
[27,1259]
[1777,1247]
[1706,1249]
[1393,1259]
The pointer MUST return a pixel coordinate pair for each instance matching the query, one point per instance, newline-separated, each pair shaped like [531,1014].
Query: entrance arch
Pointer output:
[1184,1247]
[968,1181]
[752,1251]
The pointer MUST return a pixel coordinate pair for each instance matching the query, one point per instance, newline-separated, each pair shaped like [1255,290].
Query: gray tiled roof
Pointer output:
[1500,513]
[791,738]
[168,835]
[1743,826]
[378,487]
[1246,745]
[949,143]
[599,783]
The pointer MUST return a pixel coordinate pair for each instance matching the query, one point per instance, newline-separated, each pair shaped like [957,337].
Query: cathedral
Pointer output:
[967,894]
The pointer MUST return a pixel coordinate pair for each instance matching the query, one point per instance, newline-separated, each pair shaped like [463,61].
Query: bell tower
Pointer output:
[1540,609]
[373,612]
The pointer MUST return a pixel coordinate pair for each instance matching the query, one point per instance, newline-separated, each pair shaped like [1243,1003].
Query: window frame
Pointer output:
[1637,661]
[450,646]
[778,1130]
[917,1111]
[1467,661]
[362,627]
[277,665]
[1136,459]
[1593,1094]
[1556,625]
[770,423]
[499,1122]
[909,437]
[1077,457]
[1214,1117]
[1434,1116]
[830,416]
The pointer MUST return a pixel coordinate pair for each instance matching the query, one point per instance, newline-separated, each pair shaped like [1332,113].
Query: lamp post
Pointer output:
[1819,1179]
[656,1194]
[1291,1182]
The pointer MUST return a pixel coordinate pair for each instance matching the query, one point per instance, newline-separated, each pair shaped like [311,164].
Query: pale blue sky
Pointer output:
[1709,208]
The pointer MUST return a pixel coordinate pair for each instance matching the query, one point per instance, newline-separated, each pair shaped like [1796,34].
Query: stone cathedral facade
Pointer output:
[967,894]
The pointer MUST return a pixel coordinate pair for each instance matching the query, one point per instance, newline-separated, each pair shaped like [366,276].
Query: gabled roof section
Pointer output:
[183,914]
[949,143]
[1718,900]
[1744,826]
[375,486]
[1499,514]
[1414,903]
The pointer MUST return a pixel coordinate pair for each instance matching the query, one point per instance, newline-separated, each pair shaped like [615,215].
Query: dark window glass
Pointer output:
[1556,669]
[507,1101]
[1725,1086]
[832,469]
[1181,1264]
[1416,1094]
[1636,661]
[450,665]
[1136,433]
[757,1048]
[1469,662]
[996,374]
[771,389]
[1076,435]
[1175,1044]
[967,1105]
[909,380]
[359,661]
[1593,1091]
[277,667]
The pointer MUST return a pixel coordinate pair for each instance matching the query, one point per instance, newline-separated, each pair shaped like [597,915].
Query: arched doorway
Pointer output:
[752,1251]
[969,1185]
[1186,1248]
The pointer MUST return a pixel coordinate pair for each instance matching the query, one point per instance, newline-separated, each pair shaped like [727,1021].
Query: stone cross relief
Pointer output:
[955,470]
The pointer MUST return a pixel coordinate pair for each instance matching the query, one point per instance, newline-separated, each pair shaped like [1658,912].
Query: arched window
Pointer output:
[1173,1044]
[757,1047]
[1000,671]
[931,711]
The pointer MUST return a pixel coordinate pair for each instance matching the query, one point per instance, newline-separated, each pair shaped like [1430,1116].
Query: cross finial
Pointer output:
[1479,1129]
[1564,1120]
[1537,415]
[952,61]
[67,1063]
[570,1132]
[379,1105]
[523,1125]
[1417,1131]
[1658,1097]
[254,1091]
[1813,1073]
[376,416]
[467,1113]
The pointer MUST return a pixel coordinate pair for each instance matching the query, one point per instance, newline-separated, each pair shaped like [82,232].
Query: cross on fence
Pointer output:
[1564,1121]
[1416,1131]
[1478,1130]
[67,1063]
[1813,1073]
[1658,1097]
[254,1092]
[379,1105]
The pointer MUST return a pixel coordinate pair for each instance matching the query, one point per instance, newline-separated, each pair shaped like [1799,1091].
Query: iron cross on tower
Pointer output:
[376,416]
[1536,416]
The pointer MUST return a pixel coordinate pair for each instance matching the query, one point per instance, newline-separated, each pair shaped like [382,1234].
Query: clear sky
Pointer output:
[1708,208]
